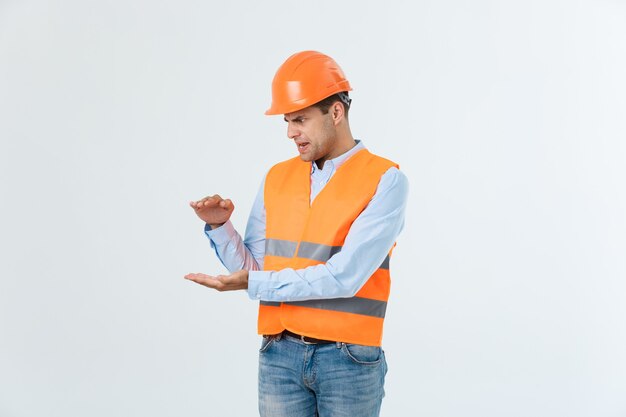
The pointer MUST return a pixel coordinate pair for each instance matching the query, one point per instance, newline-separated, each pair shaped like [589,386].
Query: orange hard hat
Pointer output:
[304,79]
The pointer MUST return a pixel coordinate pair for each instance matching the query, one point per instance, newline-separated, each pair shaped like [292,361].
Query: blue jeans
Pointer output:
[308,380]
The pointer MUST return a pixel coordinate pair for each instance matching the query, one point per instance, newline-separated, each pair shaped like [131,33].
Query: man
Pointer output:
[316,252]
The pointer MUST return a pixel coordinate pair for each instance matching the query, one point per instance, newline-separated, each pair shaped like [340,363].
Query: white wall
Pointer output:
[507,117]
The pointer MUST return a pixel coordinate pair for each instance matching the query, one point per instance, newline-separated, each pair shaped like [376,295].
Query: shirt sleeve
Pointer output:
[367,244]
[234,252]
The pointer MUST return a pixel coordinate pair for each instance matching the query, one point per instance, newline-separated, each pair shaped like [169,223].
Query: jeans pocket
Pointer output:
[363,355]
[266,343]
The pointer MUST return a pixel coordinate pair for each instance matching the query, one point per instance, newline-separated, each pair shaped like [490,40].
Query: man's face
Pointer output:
[314,134]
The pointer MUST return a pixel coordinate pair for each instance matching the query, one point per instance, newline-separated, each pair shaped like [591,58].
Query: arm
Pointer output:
[235,253]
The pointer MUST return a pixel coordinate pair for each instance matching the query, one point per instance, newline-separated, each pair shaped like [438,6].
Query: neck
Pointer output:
[344,144]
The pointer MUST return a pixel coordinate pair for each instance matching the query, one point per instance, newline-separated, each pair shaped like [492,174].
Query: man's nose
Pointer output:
[292,131]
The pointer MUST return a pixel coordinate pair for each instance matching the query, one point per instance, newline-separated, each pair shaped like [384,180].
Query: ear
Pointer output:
[337,112]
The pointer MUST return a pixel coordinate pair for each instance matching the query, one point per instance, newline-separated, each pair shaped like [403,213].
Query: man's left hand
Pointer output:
[232,282]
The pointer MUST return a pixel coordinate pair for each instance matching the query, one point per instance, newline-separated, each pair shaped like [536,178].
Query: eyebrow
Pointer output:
[295,119]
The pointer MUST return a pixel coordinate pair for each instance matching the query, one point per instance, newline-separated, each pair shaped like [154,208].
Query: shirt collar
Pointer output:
[338,161]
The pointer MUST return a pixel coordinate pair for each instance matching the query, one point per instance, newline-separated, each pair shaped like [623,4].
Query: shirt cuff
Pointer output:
[261,287]
[222,234]
[254,281]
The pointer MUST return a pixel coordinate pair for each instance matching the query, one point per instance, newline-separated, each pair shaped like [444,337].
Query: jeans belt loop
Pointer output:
[305,342]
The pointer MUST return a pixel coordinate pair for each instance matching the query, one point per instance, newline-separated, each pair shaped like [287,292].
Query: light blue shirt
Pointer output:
[368,242]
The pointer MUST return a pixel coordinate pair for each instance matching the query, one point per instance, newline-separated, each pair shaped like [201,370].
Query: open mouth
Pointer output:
[302,147]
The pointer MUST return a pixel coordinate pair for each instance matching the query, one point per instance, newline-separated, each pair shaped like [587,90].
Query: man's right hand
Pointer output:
[214,210]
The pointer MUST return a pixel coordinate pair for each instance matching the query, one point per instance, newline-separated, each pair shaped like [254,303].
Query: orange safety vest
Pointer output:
[299,234]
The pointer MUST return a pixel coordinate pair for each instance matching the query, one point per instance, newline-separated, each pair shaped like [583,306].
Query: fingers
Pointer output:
[206,280]
[205,202]
[212,201]
[235,281]
[227,204]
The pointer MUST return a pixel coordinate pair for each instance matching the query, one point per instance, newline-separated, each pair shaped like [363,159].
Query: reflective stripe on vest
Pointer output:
[354,305]
[309,250]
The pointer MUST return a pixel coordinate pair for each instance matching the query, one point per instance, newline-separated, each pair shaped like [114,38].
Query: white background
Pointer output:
[508,118]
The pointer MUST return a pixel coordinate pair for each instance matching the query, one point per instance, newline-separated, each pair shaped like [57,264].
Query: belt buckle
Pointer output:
[305,342]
